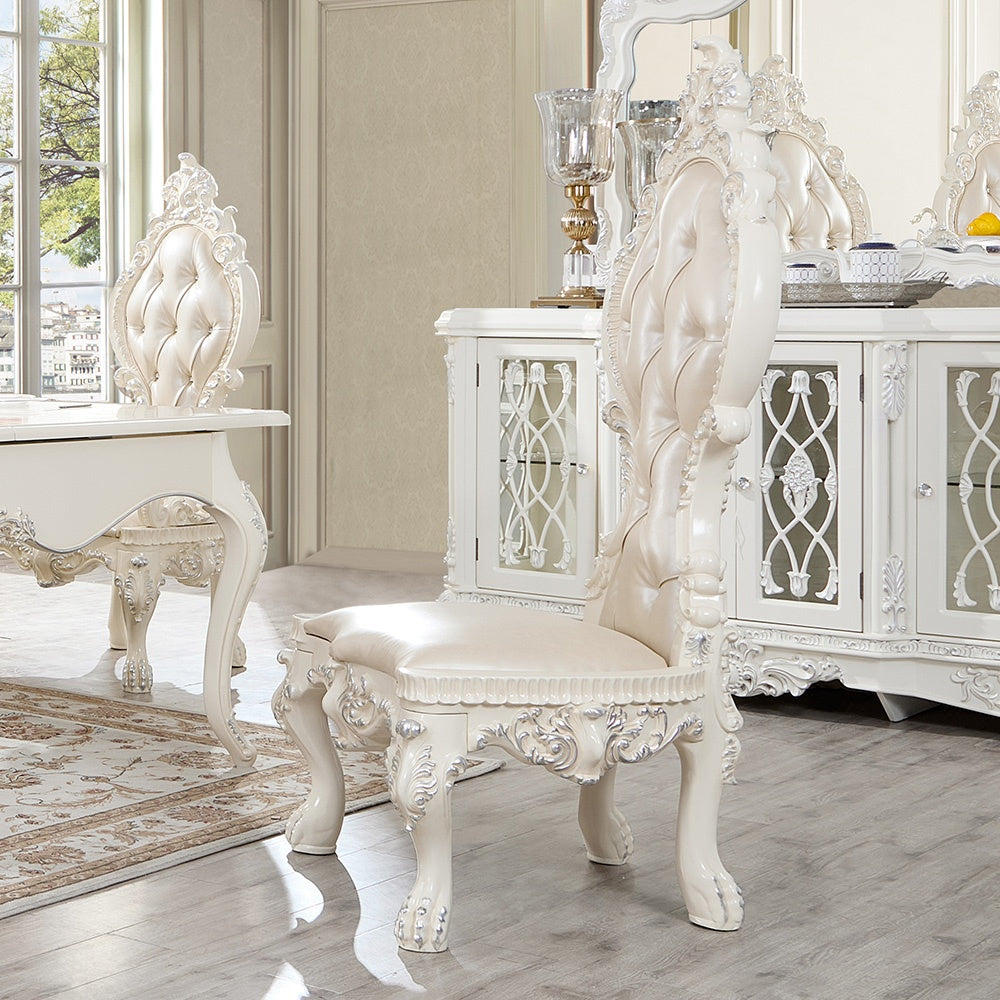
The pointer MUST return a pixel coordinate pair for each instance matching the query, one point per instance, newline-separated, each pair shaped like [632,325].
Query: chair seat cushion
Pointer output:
[465,653]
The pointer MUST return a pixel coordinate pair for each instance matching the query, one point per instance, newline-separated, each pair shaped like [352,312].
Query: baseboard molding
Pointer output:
[380,560]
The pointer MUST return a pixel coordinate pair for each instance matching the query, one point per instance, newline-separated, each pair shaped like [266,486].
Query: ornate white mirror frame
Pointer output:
[620,23]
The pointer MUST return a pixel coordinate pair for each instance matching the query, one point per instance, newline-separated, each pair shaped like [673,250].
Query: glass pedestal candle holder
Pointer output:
[643,140]
[578,140]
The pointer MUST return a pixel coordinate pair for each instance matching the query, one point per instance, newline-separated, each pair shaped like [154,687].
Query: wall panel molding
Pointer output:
[307,350]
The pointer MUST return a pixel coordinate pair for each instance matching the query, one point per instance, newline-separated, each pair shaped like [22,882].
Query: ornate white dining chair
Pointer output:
[820,205]
[184,315]
[970,184]
[689,324]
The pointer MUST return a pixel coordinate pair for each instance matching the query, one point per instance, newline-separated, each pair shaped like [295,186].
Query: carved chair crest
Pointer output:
[821,206]
[185,310]
[970,184]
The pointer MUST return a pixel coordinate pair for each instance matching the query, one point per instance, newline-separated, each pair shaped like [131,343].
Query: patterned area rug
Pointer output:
[94,792]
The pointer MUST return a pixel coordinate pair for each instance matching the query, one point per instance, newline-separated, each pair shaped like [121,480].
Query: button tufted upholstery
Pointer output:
[179,317]
[812,213]
[668,356]
[982,192]
[820,206]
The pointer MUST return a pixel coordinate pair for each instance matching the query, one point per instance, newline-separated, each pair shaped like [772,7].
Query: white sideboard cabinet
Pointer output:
[865,520]
[866,527]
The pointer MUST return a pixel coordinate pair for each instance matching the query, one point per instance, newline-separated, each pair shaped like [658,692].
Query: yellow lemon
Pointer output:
[986,224]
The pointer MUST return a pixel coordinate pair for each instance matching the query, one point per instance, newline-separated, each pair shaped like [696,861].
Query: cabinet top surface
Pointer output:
[890,324]
[570,323]
[914,324]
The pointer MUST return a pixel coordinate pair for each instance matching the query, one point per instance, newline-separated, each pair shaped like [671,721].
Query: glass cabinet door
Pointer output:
[957,490]
[798,492]
[536,507]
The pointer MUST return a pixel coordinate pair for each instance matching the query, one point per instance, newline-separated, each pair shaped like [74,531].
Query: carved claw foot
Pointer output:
[314,827]
[612,843]
[422,924]
[714,900]
[137,674]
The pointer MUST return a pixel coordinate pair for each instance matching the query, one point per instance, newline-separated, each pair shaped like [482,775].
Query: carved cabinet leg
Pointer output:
[712,896]
[298,707]
[138,581]
[605,830]
[425,757]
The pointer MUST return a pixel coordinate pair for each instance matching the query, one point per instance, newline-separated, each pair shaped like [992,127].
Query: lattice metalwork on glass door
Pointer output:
[537,453]
[974,476]
[798,484]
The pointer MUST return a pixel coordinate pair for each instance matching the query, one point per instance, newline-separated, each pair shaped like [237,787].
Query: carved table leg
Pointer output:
[239,518]
[137,581]
[425,757]
[298,706]
[712,896]
[239,649]
[605,830]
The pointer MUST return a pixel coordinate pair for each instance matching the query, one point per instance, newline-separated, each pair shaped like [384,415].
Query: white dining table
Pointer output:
[70,471]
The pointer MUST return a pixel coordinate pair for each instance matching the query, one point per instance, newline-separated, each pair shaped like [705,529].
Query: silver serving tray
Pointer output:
[874,294]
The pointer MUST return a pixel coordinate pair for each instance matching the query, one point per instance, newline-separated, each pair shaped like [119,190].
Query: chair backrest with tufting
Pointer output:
[185,310]
[820,206]
[689,324]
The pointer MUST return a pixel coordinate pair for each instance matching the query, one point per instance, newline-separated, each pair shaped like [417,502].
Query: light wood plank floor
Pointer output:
[868,852]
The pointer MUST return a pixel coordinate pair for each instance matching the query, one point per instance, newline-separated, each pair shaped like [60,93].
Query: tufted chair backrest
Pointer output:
[982,192]
[970,184]
[820,206]
[185,311]
[688,327]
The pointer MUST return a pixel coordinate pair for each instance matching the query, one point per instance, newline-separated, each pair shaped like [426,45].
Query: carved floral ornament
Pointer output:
[777,99]
[582,742]
[894,594]
[51,569]
[894,371]
[751,673]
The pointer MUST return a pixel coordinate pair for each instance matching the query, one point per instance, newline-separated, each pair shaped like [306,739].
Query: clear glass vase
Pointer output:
[643,141]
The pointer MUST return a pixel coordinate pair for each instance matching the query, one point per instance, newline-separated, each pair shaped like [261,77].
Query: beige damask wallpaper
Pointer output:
[417,219]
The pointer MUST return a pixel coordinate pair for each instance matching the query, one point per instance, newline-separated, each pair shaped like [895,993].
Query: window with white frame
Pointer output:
[55,206]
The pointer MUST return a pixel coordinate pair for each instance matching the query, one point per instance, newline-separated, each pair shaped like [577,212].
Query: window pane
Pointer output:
[7,103]
[6,15]
[7,244]
[7,341]
[71,224]
[72,341]
[70,18]
[70,80]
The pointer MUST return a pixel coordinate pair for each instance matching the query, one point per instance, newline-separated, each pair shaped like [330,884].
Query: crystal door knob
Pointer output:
[925,490]
[743,484]
[582,469]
